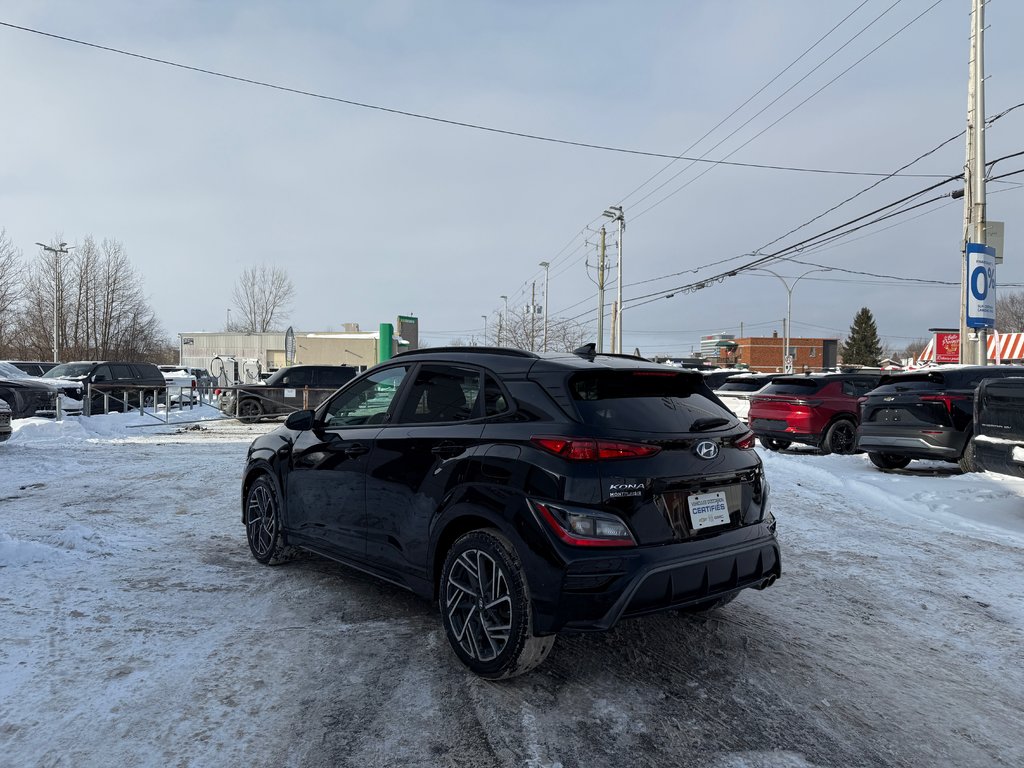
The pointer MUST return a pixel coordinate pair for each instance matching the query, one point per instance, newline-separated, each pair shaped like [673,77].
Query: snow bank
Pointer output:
[110,426]
[17,552]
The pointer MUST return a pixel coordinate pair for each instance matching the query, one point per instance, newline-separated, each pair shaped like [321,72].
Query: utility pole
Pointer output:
[547,303]
[485,329]
[614,212]
[600,295]
[974,181]
[56,251]
[533,315]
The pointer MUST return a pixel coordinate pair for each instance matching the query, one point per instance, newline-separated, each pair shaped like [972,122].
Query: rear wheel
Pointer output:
[486,609]
[772,444]
[888,460]
[250,410]
[840,438]
[967,460]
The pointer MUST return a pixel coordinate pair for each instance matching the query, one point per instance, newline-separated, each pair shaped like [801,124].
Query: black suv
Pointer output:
[926,414]
[123,384]
[525,493]
[999,426]
[285,391]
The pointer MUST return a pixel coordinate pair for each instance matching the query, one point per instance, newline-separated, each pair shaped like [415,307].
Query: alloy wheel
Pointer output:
[479,605]
[261,520]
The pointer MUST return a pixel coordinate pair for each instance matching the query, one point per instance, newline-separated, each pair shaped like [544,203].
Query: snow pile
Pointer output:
[79,537]
[110,426]
[17,552]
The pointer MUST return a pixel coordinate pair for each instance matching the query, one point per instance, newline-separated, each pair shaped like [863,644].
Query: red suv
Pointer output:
[814,409]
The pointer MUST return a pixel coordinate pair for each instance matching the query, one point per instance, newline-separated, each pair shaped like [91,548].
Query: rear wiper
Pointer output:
[709,422]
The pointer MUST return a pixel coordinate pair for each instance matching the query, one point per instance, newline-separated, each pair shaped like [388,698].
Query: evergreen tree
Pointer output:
[862,345]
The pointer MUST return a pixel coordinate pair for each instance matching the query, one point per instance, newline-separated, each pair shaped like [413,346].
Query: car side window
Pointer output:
[332,378]
[301,377]
[122,372]
[494,399]
[441,394]
[366,402]
[101,374]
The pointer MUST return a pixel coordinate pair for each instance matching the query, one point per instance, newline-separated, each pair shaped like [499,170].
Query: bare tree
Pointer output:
[102,310]
[10,290]
[526,331]
[262,296]
[1010,312]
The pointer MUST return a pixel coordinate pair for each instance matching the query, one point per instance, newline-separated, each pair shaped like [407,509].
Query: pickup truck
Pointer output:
[181,386]
[999,426]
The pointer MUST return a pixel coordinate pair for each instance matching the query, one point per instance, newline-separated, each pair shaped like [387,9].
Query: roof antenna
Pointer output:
[587,351]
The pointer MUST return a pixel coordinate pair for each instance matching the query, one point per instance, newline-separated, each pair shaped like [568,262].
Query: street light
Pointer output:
[485,329]
[547,304]
[504,321]
[789,305]
[614,212]
[56,251]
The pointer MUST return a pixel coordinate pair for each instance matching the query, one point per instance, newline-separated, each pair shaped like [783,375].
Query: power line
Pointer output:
[431,118]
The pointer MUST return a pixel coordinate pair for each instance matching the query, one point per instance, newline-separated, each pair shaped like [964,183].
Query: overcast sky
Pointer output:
[376,214]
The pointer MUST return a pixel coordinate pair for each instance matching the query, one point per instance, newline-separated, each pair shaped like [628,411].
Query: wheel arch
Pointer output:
[253,472]
[455,522]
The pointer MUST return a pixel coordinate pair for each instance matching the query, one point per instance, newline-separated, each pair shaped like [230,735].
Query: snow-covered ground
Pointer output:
[135,630]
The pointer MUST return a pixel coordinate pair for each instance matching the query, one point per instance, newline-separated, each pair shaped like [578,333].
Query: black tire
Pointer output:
[250,410]
[967,461]
[888,460]
[708,605]
[773,444]
[263,523]
[840,438]
[486,608]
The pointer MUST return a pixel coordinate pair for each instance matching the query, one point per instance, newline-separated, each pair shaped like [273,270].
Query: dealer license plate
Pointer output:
[708,509]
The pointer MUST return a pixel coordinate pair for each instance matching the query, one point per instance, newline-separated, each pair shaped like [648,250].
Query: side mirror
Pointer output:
[300,421]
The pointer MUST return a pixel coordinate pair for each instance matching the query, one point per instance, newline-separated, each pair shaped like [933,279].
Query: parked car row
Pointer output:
[929,414]
[28,396]
[5,421]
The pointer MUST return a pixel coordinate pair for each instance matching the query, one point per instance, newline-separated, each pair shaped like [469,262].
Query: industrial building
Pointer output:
[350,346]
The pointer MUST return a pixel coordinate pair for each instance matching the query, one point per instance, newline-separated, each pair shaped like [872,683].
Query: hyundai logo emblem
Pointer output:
[706,449]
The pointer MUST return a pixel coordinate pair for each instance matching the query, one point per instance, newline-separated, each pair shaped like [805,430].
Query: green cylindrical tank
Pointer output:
[386,343]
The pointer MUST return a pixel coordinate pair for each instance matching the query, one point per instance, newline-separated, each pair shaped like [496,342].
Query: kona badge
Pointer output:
[623,488]
[706,449]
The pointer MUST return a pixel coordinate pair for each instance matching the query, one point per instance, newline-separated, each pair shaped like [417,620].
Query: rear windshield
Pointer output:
[807,386]
[742,385]
[69,370]
[647,401]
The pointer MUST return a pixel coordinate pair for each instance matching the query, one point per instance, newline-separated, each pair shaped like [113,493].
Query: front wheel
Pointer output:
[486,609]
[888,460]
[773,444]
[263,523]
[840,438]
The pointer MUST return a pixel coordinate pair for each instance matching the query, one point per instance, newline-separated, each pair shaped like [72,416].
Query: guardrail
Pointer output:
[140,397]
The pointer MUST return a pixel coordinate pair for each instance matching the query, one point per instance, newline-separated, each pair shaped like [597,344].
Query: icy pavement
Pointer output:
[135,630]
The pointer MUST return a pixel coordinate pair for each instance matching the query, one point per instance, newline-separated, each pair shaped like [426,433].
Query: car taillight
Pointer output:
[216,393]
[585,527]
[744,441]
[584,449]
[946,400]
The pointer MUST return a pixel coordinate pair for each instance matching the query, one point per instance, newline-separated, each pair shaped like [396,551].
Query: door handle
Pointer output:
[446,450]
[356,449]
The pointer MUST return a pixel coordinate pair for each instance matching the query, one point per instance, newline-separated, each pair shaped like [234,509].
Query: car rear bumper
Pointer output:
[931,443]
[807,438]
[1005,457]
[600,589]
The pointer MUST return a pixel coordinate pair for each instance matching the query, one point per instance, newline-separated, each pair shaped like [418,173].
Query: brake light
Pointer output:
[585,528]
[946,400]
[744,441]
[577,449]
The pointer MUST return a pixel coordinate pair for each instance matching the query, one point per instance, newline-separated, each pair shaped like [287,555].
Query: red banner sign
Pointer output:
[947,347]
